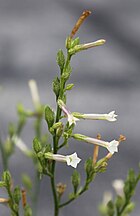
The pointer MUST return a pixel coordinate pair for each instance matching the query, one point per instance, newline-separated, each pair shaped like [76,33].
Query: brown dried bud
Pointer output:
[84,15]
[122,138]
[24,200]
[60,188]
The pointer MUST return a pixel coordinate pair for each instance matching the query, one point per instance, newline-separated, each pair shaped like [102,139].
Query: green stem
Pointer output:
[79,193]
[56,141]
[36,193]
[11,201]
[56,207]
[4,158]
[128,199]
[76,196]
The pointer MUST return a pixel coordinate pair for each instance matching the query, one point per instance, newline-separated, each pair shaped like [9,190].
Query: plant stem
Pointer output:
[4,158]
[79,193]
[73,198]
[56,141]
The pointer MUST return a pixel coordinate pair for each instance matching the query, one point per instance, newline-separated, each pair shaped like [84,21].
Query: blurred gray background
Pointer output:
[106,78]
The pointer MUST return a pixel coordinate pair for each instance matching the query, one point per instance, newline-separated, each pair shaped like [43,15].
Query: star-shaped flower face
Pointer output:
[73,160]
[113,146]
[111,116]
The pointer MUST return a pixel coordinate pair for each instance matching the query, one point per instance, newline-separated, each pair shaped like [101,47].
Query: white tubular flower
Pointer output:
[21,145]
[118,185]
[4,201]
[71,118]
[34,93]
[109,117]
[112,146]
[92,44]
[71,160]
[107,196]
[81,47]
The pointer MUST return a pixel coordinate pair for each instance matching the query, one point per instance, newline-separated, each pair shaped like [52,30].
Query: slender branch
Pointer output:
[85,187]
[3,155]
[56,141]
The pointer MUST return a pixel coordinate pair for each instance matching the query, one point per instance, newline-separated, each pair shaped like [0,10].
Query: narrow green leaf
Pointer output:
[67,72]
[69,87]
[56,86]
[49,116]
[36,145]
[60,59]
[17,195]
[75,179]
[75,42]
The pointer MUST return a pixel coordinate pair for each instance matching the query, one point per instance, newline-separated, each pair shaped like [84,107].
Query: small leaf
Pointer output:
[131,176]
[110,208]
[2,184]
[130,207]
[27,211]
[75,42]
[56,86]
[17,195]
[89,170]
[49,116]
[11,129]
[36,145]
[60,59]
[119,202]
[75,179]
[67,72]
[6,177]
[69,87]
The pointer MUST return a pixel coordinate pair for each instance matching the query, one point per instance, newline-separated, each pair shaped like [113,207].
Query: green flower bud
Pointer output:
[56,86]
[2,184]
[49,116]
[130,207]
[17,195]
[68,43]
[36,145]
[75,42]
[20,108]
[69,87]
[75,179]
[27,211]
[89,168]
[110,209]
[66,72]
[6,177]
[119,202]
[60,59]
[11,129]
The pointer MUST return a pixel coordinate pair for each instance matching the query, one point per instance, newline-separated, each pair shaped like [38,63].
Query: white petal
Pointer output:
[73,160]
[118,185]
[113,146]
[111,116]
[72,119]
